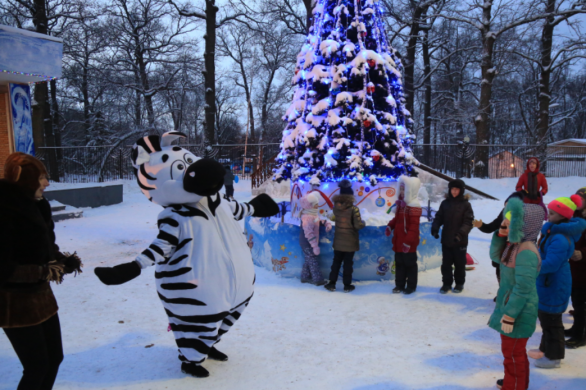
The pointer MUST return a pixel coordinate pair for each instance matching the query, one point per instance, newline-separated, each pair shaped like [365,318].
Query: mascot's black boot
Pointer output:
[217,355]
[194,370]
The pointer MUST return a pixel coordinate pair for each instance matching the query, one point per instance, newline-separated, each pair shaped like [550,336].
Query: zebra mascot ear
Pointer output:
[142,149]
[171,136]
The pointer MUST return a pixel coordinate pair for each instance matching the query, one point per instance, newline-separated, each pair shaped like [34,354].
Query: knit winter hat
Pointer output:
[346,187]
[24,170]
[313,198]
[566,206]
[582,193]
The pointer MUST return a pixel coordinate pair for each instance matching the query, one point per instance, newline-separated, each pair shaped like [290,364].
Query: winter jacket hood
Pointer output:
[309,200]
[538,164]
[412,186]
[554,283]
[342,202]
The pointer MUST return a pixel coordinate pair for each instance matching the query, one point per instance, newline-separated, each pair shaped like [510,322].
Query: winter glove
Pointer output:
[328,227]
[264,206]
[435,233]
[508,323]
[406,248]
[457,238]
[316,250]
[477,223]
[71,263]
[577,256]
[119,274]
[388,231]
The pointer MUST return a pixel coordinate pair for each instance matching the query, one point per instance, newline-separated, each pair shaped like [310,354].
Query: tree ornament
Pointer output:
[367,123]
[380,202]
[370,88]
[371,63]
[376,157]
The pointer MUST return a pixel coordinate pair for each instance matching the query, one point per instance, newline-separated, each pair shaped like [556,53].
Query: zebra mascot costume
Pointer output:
[203,266]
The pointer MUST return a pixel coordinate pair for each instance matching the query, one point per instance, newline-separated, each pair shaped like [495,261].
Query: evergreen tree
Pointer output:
[347,118]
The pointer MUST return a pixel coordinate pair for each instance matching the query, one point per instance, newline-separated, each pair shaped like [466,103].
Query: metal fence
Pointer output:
[460,160]
[102,163]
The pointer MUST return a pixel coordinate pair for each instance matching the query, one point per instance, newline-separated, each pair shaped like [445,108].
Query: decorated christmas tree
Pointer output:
[347,118]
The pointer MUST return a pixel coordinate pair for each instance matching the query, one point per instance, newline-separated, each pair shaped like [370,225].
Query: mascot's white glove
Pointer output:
[508,323]
[328,227]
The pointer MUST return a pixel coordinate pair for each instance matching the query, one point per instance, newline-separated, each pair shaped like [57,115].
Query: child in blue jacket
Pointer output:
[554,283]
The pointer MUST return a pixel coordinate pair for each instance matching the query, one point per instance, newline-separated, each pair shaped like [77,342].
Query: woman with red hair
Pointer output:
[30,260]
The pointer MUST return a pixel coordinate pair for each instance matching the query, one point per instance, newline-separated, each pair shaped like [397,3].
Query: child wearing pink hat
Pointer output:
[554,283]
[309,239]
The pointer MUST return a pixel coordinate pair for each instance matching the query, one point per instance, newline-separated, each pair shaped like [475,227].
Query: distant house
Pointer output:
[505,164]
[566,158]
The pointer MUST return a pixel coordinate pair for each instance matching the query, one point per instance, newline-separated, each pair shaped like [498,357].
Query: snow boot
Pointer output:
[458,289]
[535,354]
[408,291]
[305,280]
[569,332]
[445,289]
[574,343]
[330,287]
[546,363]
[214,354]
[349,288]
[397,290]
[320,283]
[499,383]
[194,370]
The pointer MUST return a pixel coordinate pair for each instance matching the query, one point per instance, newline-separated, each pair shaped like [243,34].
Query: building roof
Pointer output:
[27,56]
[576,140]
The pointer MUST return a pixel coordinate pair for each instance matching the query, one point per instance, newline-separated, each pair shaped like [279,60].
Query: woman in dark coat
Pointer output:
[30,260]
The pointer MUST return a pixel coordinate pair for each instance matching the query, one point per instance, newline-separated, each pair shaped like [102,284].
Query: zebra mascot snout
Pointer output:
[203,266]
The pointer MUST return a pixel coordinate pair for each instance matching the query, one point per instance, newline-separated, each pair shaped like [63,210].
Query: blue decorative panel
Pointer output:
[275,246]
[20,102]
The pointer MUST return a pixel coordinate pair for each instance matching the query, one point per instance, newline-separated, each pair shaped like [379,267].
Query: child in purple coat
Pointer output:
[309,239]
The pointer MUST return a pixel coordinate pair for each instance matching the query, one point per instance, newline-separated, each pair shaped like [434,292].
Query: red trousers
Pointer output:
[516,363]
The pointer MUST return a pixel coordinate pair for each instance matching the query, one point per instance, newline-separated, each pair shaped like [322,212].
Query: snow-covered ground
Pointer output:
[292,336]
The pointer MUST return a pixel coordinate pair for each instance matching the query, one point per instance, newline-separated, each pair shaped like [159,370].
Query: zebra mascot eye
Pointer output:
[177,169]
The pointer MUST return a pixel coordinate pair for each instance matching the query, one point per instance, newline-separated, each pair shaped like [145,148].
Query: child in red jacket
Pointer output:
[533,182]
[406,237]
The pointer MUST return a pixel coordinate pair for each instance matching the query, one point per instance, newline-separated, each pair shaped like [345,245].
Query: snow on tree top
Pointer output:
[347,118]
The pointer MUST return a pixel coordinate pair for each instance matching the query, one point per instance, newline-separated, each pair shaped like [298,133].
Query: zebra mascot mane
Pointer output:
[203,266]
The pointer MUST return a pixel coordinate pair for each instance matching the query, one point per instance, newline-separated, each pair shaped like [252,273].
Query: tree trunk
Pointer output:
[137,105]
[210,71]
[42,97]
[308,14]
[544,83]
[427,100]
[55,113]
[482,120]
[409,61]
[86,103]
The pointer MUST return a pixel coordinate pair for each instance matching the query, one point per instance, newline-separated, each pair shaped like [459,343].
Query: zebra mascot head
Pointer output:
[170,175]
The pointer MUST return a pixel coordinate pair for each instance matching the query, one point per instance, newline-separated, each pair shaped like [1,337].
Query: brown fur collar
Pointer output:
[344,201]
